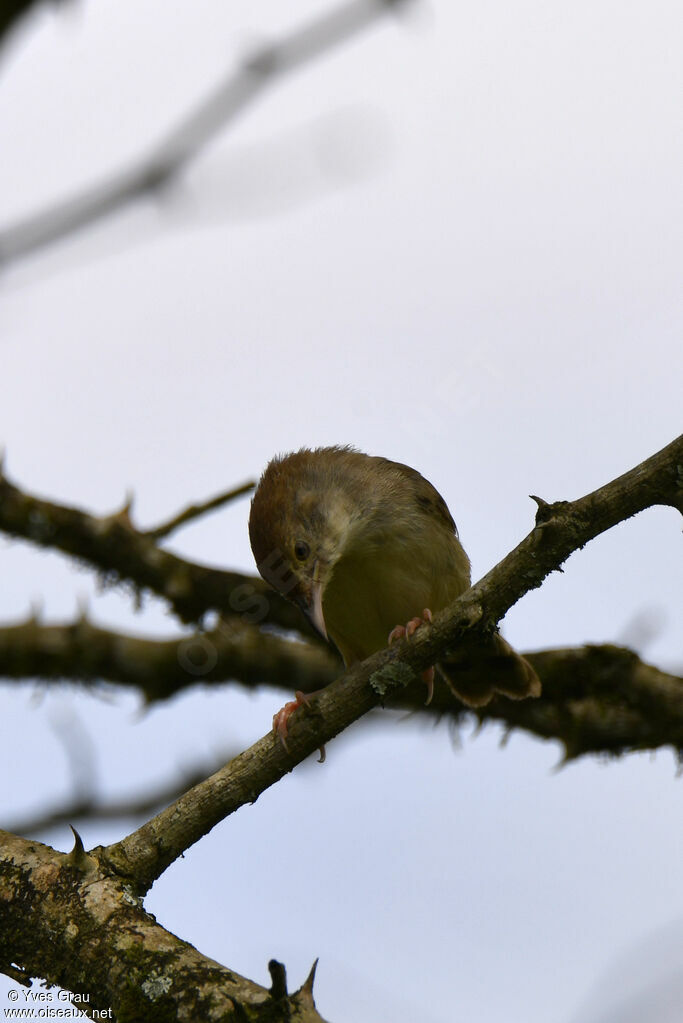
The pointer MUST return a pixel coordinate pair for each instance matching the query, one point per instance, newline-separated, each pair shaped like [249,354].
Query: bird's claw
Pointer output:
[428,679]
[405,632]
[281,719]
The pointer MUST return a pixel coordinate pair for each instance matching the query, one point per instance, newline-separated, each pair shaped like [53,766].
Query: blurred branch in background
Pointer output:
[91,807]
[595,699]
[153,173]
[13,11]
[233,651]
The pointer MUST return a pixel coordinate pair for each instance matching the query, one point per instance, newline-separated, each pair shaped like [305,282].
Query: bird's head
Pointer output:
[298,525]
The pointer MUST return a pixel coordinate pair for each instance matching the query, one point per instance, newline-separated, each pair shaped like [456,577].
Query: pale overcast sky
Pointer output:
[456,242]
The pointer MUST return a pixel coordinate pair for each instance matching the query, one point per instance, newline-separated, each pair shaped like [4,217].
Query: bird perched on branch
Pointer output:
[368,549]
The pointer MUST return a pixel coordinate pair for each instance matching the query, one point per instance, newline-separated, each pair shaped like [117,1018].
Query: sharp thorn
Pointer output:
[78,848]
[307,986]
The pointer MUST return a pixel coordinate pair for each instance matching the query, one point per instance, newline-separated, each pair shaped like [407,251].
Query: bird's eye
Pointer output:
[301,550]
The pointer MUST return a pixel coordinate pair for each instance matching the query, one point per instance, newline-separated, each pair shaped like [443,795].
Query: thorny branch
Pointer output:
[88,932]
[233,651]
[561,528]
[123,554]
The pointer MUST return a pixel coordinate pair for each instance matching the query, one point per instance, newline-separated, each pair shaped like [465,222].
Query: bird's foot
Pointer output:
[281,719]
[405,632]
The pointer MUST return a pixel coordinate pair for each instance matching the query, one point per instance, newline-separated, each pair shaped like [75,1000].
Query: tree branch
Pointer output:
[598,699]
[265,66]
[194,511]
[561,529]
[114,547]
[110,949]
[233,651]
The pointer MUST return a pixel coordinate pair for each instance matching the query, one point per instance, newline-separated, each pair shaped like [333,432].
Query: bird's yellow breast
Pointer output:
[387,581]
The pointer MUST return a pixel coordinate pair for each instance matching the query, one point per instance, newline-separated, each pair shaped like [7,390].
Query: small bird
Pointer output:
[368,549]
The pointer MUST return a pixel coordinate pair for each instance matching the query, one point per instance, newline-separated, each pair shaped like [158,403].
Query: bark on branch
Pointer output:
[111,950]
[159,668]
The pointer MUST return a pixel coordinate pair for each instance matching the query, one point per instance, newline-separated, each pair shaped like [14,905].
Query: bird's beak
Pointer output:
[313,601]
[316,612]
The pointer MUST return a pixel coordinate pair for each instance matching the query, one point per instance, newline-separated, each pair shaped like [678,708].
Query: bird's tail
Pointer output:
[478,672]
